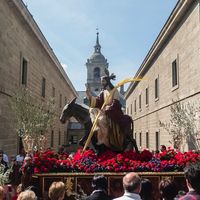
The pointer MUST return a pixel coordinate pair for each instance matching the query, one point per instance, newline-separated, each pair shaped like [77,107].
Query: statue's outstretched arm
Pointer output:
[88,92]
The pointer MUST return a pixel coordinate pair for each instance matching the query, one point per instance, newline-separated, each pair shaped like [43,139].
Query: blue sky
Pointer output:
[127,30]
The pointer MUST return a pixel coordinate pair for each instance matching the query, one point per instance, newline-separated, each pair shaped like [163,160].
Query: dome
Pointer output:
[97,56]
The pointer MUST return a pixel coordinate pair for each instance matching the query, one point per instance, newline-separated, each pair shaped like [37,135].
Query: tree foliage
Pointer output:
[184,124]
[4,175]
[33,117]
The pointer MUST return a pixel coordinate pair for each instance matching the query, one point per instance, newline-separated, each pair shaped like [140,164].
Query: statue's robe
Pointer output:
[110,122]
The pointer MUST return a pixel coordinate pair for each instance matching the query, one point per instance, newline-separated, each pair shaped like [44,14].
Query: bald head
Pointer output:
[132,182]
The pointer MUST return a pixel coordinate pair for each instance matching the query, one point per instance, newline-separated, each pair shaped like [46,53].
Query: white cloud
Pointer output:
[65,66]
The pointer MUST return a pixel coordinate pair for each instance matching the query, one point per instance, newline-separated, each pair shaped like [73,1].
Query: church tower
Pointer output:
[96,65]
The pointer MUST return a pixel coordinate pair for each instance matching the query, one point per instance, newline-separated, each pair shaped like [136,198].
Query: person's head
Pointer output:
[192,175]
[99,182]
[19,189]
[146,189]
[168,189]
[163,148]
[105,81]
[13,158]
[57,191]
[116,187]
[132,182]
[22,152]
[28,159]
[1,193]
[27,195]
[61,149]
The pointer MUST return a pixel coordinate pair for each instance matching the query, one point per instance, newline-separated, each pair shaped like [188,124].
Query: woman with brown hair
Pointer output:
[27,195]
[168,189]
[57,191]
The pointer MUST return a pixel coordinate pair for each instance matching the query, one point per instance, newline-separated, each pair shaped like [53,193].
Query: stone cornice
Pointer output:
[21,7]
[170,25]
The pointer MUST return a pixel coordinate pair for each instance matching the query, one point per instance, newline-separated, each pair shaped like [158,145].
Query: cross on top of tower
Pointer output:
[97,46]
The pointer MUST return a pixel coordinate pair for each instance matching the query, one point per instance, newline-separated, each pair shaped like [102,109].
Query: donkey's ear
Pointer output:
[73,100]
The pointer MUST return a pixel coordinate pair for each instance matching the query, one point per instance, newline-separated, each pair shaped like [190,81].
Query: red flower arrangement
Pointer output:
[169,160]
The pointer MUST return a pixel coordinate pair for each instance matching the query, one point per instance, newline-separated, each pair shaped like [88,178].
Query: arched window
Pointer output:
[96,72]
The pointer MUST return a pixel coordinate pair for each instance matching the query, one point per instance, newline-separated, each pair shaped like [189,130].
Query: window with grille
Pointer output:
[135,106]
[24,72]
[60,100]
[131,109]
[156,88]
[140,101]
[147,96]
[96,73]
[157,140]
[52,138]
[43,87]
[140,141]
[74,139]
[174,73]
[147,140]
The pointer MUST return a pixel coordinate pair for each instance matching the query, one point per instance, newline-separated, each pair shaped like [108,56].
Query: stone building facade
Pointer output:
[170,72]
[27,60]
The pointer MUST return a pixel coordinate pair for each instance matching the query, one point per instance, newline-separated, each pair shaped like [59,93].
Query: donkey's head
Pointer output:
[67,111]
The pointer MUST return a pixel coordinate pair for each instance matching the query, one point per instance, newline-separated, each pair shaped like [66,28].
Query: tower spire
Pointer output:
[96,65]
[97,40]
[97,46]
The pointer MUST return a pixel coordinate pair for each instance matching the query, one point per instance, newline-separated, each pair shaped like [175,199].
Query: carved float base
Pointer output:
[115,187]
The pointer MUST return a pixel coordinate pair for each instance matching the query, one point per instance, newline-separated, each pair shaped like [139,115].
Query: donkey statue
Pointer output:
[82,115]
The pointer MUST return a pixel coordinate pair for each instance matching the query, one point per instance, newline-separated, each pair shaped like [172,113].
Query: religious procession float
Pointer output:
[77,170]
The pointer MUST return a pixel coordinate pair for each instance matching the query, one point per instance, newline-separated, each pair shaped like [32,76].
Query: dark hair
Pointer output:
[192,174]
[99,182]
[108,78]
[168,189]
[146,189]
[163,146]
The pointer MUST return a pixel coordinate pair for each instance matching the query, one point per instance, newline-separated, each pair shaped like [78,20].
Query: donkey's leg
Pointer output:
[135,145]
[83,139]
[87,127]
[130,143]
[100,149]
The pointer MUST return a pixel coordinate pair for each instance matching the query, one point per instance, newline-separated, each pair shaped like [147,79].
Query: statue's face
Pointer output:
[104,83]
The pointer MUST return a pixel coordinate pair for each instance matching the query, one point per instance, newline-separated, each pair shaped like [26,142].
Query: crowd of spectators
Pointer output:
[135,187]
